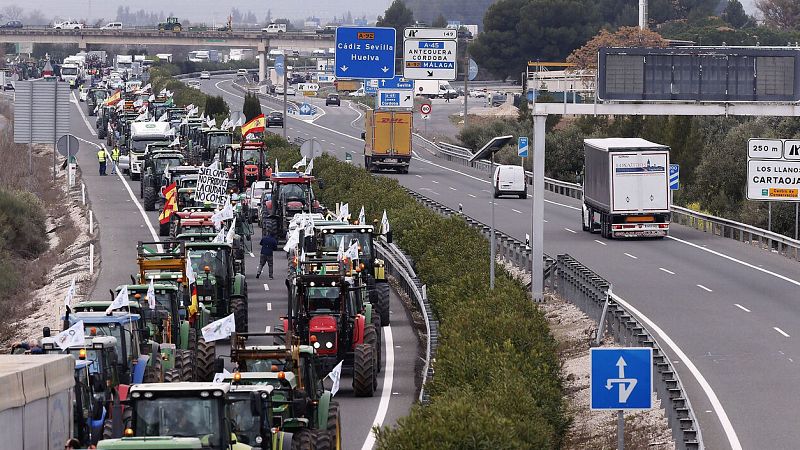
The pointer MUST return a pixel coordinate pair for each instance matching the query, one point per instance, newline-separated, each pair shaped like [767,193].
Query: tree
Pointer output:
[252,107]
[216,106]
[780,13]
[439,22]
[13,12]
[734,14]
[586,56]
[397,16]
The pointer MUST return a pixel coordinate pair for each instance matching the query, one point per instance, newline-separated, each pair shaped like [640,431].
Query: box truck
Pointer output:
[434,89]
[387,140]
[626,188]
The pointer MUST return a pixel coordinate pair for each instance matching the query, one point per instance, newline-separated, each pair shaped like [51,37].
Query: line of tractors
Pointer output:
[147,379]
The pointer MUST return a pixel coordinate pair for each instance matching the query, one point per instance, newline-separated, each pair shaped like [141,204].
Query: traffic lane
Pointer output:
[118,222]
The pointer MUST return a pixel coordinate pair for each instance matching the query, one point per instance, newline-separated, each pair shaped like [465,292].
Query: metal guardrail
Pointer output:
[708,223]
[592,294]
[399,267]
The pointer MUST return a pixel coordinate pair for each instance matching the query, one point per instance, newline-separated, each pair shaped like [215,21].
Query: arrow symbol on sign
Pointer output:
[621,367]
[430,73]
[626,385]
[408,97]
[344,68]
[384,69]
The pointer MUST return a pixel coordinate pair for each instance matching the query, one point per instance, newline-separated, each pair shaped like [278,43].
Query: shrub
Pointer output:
[252,107]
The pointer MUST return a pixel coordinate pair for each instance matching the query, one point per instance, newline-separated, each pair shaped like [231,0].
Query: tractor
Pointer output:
[301,403]
[249,163]
[221,289]
[197,415]
[291,194]
[156,160]
[171,24]
[89,412]
[327,309]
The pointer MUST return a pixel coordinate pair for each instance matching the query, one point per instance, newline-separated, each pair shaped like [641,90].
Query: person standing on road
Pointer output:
[114,159]
[101,158]
[268,245]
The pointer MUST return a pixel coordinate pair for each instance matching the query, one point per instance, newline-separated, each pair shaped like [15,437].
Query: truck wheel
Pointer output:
[363,370]
[239,308]
[382,302]
[150,198]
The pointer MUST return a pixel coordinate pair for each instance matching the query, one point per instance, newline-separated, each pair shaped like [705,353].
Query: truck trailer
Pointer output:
[626,188]
[387,140]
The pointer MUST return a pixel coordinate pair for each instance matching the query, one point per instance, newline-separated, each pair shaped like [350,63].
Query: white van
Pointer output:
[112,26]
[274,28]
[509,180]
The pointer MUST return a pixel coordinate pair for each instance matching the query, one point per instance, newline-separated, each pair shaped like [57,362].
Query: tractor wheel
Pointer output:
[364,370]
[186,365]
[108,429]
[371,337]
[152,374]
[279,340]
[334,429]
[206,353]
[172,376]
[163,229]
[239,308]
[150,198]
[376,325]
[303,439]
[271,226]
[382,297]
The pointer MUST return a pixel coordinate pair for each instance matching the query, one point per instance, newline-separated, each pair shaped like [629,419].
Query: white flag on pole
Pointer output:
[190,276]
[293,240]
[219,329]
[151,98]
[151,295]
[310,167]
[340,252]
[71,336]
[220,376]
[227,211]
[141,117]
[362,218]
[344,212]
[220,237]
[138,103]
[225,124]
[301,163]
[176,142]
[231,232]
[384,223]
[239,122]
[70,294]
[120,300]
[164,117]
[276,166]
[352,251]
[335,376]
[211,122]
[189,108]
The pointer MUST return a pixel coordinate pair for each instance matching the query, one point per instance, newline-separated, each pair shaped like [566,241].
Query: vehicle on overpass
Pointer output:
[274,28]
[12,24]
[205,75]
[69,24]
[387,140]
[274,119]
[112,26]
[171,24]
[626,188]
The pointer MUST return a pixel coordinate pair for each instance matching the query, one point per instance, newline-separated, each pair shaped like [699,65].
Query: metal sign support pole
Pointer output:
[537,213]
[285,84]
[795,220]
[466,79]
[55,128]
[491,241]
[769,216]
[620,430]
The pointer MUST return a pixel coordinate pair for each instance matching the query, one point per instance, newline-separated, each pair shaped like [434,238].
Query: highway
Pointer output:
[730,309]
[122,222]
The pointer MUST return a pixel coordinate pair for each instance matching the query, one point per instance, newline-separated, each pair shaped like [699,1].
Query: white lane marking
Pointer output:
[741,307]
[452,188]
[434,182]
[484,190]
[731,258]
[418,176]
[352,124]
[471,195]
[269,306]
[785,334]
[600,242]
[266,330]
[83,116]
[571,231]
[665,270]
[386,389]
[631,256]
[704,288]
[266,287]
[516,211]
[545,220]
[733,439]
[252,255]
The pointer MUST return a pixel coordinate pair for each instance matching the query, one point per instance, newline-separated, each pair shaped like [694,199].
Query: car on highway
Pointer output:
[257,192]
[112,26]
[329,30]
[274,28]
[358,93]
[477,93]
[205,75]
[274,119]
[68,25]
[333,99]
[12,24]
[289,90]
[193,84]
[241,72]
[82,92]
[498,99]
[509,180]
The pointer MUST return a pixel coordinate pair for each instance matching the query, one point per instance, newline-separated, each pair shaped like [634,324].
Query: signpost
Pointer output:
[371,87]
[212,186]
[397,82]
[430,53]
[280,66]
[621,379]
[425,111]
[306,110]
[773,170]
[67,146]
[395,98]
[49,103]
[522,146]
[674,177]
[365,52]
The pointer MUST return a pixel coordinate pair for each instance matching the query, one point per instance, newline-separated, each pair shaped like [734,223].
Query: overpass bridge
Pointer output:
[262,42]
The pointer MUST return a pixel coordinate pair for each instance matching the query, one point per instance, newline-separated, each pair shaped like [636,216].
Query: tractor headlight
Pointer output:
[328,344]
[316,345]
[258,440]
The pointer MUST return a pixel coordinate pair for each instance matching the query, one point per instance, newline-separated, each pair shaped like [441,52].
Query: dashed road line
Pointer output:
[665,270]
[452,188]
[471,195]
[269,306]
[266,287]
[741,307]
[785,334]
[571,231]
[516,211]
[600,242]
[434,182]
[704,288]
[418,176]
[631,256]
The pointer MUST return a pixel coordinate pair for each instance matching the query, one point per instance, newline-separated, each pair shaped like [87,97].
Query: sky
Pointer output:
[210,11]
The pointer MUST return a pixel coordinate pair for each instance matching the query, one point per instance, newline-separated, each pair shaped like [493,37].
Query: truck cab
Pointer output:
[142,135]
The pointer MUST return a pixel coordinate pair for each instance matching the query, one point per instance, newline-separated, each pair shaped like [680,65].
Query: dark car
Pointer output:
[333,99]
[12,24]
[275,119]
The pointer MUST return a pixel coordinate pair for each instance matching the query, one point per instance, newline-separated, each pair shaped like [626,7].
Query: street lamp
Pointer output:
[487,152]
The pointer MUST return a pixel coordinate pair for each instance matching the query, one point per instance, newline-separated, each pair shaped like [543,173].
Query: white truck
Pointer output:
[123,64]
[274,28]
[434,89]
[142,135]
[626,188]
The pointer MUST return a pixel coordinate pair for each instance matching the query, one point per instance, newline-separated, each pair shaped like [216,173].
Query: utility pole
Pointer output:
[285,86]
[466,78]
[642,14]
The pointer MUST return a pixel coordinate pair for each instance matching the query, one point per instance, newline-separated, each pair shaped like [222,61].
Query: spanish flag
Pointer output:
[194,306]
[254,126]
[114,99]
[170,203]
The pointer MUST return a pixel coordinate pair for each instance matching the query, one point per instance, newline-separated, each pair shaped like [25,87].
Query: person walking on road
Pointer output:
[101,158]
[114,159]
[268,245]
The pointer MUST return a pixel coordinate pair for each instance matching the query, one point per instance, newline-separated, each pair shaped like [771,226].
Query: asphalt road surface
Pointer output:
[731,310]
[121,223]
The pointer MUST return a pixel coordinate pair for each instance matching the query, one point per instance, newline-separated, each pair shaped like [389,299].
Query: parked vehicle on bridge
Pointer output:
[12,24]
[274,28]
[112,26]
[626,188]
[171,24]
[69,24]
[387,140]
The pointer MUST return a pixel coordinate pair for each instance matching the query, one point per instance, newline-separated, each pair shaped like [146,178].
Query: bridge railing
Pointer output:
[708,223]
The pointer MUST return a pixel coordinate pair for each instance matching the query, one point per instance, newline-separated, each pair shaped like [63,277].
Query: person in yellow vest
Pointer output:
[114,159]
[101,158]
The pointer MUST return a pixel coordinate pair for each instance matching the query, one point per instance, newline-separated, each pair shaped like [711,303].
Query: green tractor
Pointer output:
[199,416]
[219,287]
[301,403]
[156,160]
[171,24]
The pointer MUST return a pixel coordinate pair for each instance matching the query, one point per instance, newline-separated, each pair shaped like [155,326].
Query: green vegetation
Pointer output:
[216,106]
[183,95]
[252,106]
[496,352]
[397,16]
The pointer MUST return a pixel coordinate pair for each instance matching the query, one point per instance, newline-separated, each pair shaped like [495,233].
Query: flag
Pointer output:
[147,87]
[70,294]
[120,300]
[194,306]
[335,376]
[190,276]
[362,219]
[254,126]
[164,117]
[310,167]
[224,125]
[220,376]
[114,99]
[190,108]
[276,166]
[151,98]
[227,211]
[170,203]
[219,329]
[171,132]
[239,122]
[340,252]
[220,237]
[194,111]
[163,91]
[71,336]
[352,251]
[211,122]
[141,117]
[384,223]
[344,212]
[293,240]
[138,103]
[301,163]
[151,295]
[175,142]
[231,232]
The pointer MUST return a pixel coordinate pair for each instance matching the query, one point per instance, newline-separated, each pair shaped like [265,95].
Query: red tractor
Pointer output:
[291,194]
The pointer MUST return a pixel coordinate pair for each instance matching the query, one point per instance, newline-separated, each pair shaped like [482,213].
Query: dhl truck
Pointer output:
[387,140]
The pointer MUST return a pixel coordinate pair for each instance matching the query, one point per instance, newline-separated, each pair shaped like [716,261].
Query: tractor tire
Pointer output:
[364,371]
[150,198]
[172,376]
[334,430]
[108,429]
[372,338]
[163,229]
[376,325]
[141,187]
[239,308]
[204,362]
[279,340]
[304,439]
[187,364]
[271,227]
[382,303]
[152,374]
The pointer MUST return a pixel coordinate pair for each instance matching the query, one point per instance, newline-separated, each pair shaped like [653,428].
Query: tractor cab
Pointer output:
[291,194]
[100,351]
[89,412]
[250,164]
[219,287]
[250,408]
[157,159]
